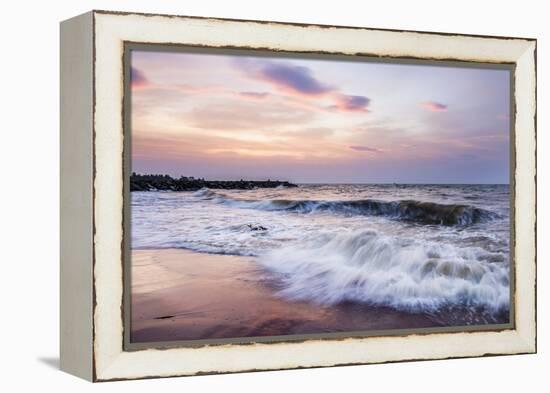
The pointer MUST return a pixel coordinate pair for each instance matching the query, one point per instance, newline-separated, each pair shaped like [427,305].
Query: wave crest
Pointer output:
[380,270]
[408,210]
[205,193]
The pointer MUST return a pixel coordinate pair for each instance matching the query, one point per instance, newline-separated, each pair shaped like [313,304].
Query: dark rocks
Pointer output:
[166,183]
[257,227]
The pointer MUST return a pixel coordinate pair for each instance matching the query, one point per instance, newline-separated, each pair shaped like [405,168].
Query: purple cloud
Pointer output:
[254,95]
[138,78]
[300,81]
[365,148]
[434,106]
[350,103]
[293,79]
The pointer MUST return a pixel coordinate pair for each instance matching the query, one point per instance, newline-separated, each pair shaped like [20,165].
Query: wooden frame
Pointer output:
[92,181]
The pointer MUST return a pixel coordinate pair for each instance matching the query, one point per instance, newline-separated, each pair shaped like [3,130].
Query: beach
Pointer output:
[179,294]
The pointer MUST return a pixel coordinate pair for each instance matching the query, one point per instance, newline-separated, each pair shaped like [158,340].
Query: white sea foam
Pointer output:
[368,267]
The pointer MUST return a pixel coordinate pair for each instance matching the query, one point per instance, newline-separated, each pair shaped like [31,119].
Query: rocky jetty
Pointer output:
[167,183]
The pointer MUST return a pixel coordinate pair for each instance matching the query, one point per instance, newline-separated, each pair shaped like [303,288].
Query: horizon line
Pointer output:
[321,183]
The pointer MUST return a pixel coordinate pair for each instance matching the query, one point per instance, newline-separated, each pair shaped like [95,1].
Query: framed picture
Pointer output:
[246,195]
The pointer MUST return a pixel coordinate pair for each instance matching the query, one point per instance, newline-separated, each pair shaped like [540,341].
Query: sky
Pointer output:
[327,120]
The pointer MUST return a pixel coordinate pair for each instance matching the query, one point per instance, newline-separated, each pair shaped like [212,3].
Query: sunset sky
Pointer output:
[317,121]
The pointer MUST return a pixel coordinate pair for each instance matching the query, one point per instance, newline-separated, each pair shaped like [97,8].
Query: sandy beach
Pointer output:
[184,295]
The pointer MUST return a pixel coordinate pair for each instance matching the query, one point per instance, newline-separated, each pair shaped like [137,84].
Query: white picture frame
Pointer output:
[92,195]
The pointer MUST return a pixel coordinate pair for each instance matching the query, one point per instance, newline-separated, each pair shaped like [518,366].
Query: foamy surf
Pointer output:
[368,267]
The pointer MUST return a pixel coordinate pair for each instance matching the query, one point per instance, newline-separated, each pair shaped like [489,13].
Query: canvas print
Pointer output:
[279,196]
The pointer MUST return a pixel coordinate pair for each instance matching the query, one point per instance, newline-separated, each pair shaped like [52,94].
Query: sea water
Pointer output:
[442,250]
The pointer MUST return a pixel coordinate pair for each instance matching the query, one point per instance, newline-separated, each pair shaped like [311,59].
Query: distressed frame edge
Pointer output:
[527,340]
[76,196]
[526,181]
[304,24]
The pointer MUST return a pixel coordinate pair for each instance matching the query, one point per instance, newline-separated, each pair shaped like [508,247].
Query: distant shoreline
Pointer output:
[167,183]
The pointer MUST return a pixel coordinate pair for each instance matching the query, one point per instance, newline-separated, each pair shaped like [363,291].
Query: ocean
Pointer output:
[439,250]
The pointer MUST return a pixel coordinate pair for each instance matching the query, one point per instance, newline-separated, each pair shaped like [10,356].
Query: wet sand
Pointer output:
[184,295]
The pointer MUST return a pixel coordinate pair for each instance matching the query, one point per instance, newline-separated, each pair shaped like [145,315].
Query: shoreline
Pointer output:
[180,294]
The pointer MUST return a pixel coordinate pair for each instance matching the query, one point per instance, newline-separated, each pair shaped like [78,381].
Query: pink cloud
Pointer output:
[254,95]
[350,103]
[137,78]
[434,106]
[365,148]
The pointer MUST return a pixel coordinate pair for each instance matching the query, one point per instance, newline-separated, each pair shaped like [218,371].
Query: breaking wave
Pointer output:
[375,269]
[408,210]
